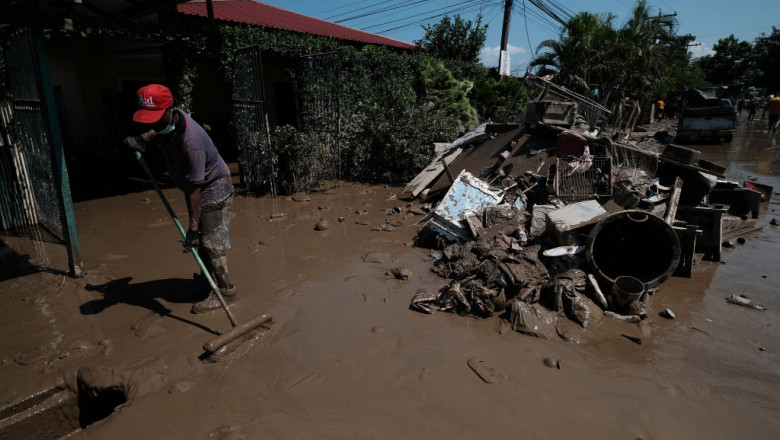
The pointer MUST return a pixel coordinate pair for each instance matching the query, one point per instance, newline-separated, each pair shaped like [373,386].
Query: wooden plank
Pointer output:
[431,172]
[671,212]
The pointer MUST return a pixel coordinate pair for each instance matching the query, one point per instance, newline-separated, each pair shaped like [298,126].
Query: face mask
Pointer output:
[167,129]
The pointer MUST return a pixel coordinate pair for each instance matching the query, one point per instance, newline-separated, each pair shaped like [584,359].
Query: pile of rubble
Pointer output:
[548,219]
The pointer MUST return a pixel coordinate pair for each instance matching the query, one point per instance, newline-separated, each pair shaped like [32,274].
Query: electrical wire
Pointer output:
[379,11]
[465,6]
[325,11]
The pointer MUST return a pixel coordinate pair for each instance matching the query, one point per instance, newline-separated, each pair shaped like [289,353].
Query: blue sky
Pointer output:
[708,20]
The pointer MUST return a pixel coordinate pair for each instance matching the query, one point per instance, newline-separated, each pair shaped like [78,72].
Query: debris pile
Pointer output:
[536,221]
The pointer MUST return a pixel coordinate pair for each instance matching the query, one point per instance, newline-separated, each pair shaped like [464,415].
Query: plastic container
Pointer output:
[626,289]
[635,244]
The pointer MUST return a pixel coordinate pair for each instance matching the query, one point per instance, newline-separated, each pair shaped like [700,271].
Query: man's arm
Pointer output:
[192,195]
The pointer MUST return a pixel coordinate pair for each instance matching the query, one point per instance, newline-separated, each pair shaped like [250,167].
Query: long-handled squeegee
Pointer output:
[238,330]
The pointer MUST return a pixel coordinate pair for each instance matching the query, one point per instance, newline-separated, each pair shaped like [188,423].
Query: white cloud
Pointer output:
[489,55]
[700,51]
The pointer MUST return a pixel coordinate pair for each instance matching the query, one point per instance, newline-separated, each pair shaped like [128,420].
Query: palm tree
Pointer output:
[591,51]
[580,56]
[643,48]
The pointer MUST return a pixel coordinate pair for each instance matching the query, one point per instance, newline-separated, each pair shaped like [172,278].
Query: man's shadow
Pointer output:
[176,290]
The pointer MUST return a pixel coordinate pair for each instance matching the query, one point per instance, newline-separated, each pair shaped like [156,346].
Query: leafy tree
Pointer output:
[493,97]
[767,60]
[455,38]
[732,63]
[442,93]
[682,72]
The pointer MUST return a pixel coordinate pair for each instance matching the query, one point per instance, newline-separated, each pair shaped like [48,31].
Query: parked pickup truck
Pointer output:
[707,115]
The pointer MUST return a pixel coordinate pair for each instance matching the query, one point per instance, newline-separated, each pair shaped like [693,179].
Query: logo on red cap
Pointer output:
[153,100]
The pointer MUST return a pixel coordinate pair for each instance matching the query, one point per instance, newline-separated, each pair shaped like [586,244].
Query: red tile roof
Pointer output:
[265,15]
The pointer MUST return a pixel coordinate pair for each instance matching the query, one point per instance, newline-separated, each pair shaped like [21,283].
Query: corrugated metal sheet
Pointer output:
[265,15]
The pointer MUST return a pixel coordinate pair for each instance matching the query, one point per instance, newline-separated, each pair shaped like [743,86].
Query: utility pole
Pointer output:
[505,35]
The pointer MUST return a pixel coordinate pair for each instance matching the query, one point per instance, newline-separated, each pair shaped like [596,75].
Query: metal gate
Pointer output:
[250,121]
[320,96]
[36,193]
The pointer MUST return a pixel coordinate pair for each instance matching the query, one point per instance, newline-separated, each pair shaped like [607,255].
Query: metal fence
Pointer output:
[255,157]
[35,197]
[319,90]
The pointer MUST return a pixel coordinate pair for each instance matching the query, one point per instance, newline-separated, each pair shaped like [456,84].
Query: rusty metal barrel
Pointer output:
[635,244]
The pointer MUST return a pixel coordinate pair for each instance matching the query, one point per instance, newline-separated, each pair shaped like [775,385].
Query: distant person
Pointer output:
[752,105]
[773,108]
[198,170]
[659,110]
[673,109]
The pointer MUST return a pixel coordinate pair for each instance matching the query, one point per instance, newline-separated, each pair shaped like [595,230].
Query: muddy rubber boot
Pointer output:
[228,290]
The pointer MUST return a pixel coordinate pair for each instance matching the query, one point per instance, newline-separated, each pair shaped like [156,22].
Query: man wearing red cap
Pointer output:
[198,170]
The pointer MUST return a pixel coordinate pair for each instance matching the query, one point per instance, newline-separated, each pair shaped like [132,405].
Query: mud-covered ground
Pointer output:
[346,358]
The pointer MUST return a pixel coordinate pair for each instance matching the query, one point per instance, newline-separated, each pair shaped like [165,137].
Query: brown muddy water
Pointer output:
[346,358]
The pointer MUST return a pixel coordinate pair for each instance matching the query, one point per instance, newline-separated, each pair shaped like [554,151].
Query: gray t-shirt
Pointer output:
[192,157]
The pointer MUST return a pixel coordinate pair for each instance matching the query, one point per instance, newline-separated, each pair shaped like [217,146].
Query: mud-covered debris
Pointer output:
[580,308]
[482,368]
[634,339]
[401,273]
[452,299]
[484,300]
[774,222]
[569,281]
[667,313]
[532,319]
[425,301]
[389,226]
[322,225]
[743,301]
[145,200]
[632,319]
[300,197]
[552,363]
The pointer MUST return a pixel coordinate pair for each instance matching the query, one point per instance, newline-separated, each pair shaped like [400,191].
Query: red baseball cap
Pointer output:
[153,100]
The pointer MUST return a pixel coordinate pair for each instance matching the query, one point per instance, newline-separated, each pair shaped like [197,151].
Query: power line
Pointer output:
[325,11]
[381,10]
[427,19]
[548,10]
[466,5]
